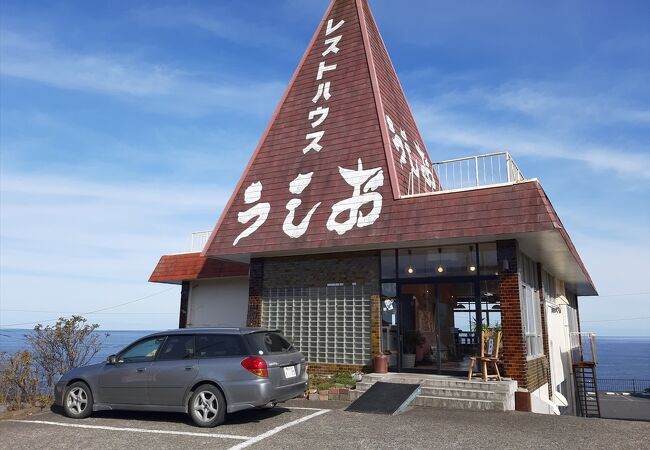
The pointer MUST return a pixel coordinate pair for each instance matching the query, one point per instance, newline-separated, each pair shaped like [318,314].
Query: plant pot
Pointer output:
[408,360]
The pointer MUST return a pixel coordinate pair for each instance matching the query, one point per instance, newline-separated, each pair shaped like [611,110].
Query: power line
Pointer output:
[624,295]
[95,311]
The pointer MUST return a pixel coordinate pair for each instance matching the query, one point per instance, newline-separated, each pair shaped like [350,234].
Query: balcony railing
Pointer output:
[198,241]
[476,171]
[583,347]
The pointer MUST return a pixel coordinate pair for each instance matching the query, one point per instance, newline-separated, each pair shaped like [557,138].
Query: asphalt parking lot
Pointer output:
[302,424]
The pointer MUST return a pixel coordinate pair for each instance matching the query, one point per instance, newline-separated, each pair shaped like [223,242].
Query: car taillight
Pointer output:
[256,366]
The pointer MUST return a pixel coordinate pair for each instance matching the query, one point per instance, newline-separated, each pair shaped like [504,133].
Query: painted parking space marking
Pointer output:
[135,430]
[277,429]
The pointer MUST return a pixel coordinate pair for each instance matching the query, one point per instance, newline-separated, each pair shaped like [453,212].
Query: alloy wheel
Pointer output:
[77,400]
[205,406]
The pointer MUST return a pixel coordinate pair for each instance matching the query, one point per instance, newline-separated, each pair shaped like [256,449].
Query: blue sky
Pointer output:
[124,126]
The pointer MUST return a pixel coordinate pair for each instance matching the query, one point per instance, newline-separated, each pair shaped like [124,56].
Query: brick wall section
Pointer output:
[333,369]
[537,373]
[542,308]
[375,325]
[514,343]
[255,287]
[319,270]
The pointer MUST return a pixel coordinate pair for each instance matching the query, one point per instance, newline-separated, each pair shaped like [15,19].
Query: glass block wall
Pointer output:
[328,324]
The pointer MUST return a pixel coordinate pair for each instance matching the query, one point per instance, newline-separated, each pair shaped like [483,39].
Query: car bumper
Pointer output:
[59,392]
[245,395]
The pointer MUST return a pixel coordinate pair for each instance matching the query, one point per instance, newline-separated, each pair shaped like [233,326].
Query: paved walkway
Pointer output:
[619,406]
[325,425]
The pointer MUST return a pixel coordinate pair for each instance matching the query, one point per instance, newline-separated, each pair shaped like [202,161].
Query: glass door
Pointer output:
[438,325]
[459,321]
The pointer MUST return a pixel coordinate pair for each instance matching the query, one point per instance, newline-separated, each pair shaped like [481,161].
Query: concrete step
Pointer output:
[458,403]
[449,392]
[472,394]
[443,382]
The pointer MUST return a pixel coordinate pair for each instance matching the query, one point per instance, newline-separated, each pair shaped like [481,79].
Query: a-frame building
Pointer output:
[344,233]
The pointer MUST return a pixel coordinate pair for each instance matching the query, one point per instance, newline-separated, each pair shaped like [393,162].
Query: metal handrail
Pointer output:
[199,240]
[471,172]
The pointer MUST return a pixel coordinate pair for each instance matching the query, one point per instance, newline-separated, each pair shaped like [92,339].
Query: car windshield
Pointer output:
[268,343]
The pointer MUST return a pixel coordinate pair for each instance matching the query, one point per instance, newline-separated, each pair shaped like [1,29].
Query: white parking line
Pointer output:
[135,430]
[275,430]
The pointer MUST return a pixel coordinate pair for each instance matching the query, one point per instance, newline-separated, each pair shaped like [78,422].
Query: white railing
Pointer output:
[476,171]
[583,347]
[198,241]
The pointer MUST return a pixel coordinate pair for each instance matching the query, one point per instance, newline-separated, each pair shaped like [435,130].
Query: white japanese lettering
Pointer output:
[371,180]
[332,45]
[323,91]
[314,144]
[253,194]
[322,68]
[321,113]
[331,29]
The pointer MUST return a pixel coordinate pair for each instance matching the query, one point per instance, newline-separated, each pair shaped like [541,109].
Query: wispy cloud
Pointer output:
[537,120]
[164,88]
[219,22]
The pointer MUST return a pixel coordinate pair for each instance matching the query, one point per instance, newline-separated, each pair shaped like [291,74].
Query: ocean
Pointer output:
[618,357]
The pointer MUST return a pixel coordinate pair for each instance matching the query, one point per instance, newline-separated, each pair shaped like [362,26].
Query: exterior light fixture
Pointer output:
[496,308]
[471,266]
[440,269]
[410,269]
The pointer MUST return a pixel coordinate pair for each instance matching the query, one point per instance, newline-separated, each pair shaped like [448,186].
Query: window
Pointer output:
[388,261]
[328,324]
[456,260]
[548,283]
[216,345]
[530,305]
[177,347]
[268,344]
[142,351]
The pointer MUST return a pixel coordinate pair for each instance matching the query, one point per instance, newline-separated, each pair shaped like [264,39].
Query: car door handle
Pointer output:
[141,369]
[189,368]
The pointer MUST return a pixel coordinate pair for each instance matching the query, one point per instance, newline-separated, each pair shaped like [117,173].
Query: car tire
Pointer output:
[207,407]
[78,400]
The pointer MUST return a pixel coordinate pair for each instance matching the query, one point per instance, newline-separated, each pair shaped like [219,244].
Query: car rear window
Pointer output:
[268,343]
[217,345]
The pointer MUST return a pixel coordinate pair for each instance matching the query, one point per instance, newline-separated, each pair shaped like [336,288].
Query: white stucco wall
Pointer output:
[218,303]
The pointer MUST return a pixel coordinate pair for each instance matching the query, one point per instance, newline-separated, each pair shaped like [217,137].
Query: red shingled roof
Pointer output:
[340,153]
[193,266]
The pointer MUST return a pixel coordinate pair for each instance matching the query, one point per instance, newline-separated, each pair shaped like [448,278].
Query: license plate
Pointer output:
[289,371]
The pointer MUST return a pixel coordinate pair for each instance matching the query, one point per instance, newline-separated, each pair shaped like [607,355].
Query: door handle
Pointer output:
[141,369]
[188,367]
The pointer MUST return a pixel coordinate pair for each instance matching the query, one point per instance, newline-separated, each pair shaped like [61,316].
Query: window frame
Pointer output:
[138,342]
[530,307]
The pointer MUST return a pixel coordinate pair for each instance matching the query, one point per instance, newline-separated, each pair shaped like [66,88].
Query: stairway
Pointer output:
[440,391]
[586,389]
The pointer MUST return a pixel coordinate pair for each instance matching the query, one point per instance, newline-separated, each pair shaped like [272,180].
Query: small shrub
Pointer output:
[18,380]
[342,379]
[67,344]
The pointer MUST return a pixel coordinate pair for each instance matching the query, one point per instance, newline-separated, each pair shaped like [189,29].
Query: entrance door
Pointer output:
[438,326]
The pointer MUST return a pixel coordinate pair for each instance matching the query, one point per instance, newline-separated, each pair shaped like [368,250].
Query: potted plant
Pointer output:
[412,340]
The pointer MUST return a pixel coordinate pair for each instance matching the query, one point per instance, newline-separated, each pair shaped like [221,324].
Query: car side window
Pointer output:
[218,345]
[142,351]
[177,347]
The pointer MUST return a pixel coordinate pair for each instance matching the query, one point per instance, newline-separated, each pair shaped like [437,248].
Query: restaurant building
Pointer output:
[343,233]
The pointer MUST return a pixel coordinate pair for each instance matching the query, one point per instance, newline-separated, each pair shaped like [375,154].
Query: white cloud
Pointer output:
[164,88]
[99,241]
[442,126]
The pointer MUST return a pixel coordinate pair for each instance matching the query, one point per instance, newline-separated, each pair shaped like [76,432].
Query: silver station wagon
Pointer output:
[205,372]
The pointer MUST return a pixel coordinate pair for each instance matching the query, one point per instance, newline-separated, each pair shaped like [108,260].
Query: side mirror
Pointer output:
[112,359]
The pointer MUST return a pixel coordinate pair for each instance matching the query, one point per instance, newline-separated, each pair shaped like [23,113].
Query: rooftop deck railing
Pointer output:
[198,240]
[473,172]
[477,171]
